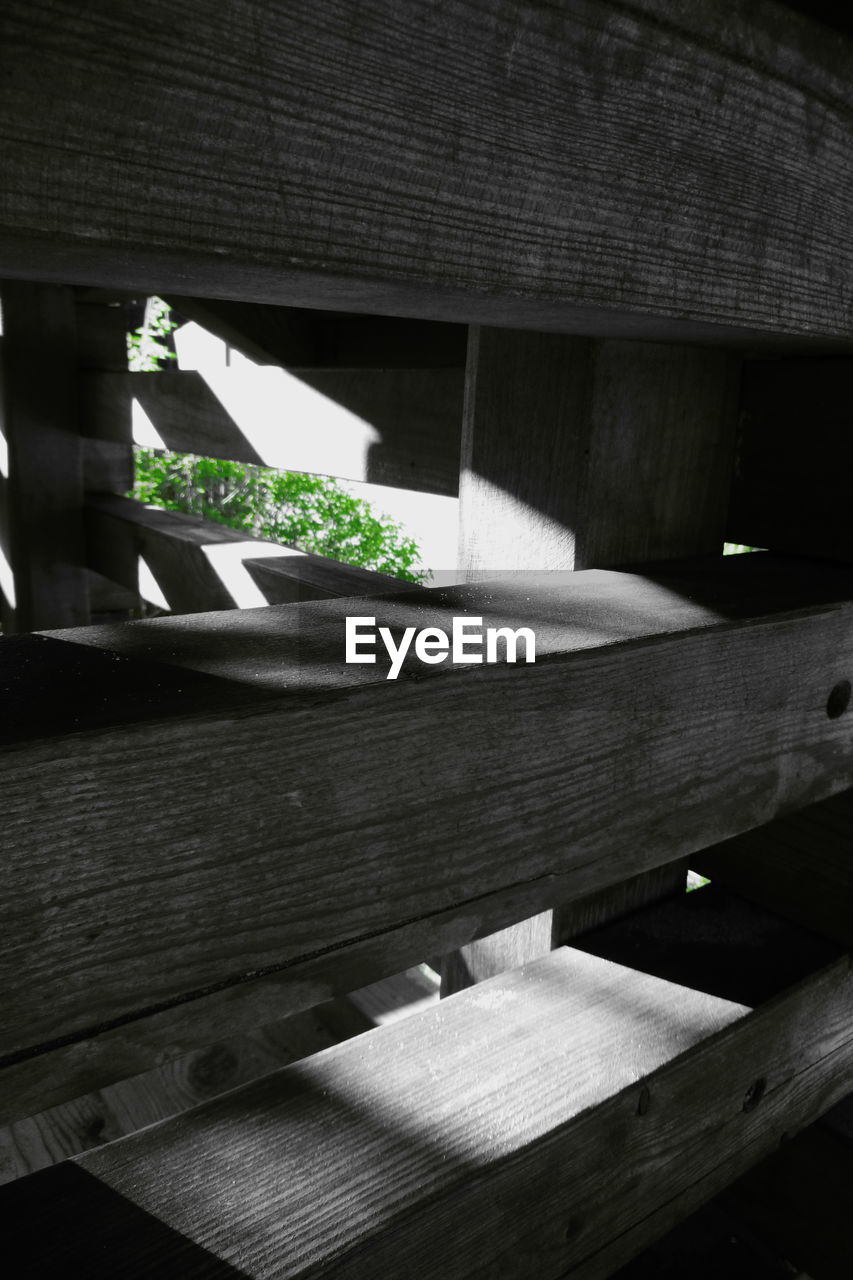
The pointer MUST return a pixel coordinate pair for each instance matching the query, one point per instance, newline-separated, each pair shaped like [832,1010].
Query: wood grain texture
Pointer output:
[580,453]
[691,176]
[529,1126]
[200,565]
[397,427]
[349,807]
[799,865]
[795,453]
[42,576]
[181,1083]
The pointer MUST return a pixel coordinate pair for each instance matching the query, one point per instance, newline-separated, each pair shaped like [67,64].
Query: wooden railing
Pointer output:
[624,342]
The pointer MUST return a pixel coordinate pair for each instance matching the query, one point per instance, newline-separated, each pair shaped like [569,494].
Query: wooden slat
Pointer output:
[300,338]
[388,426]
[119,1109]
[680,183]
[338,794]
[42,578]
[795,453]
[577,454]
[799,865]
[553,1119]
[199,565]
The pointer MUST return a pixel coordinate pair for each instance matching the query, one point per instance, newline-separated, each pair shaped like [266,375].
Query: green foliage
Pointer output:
[145,348]
[313,513]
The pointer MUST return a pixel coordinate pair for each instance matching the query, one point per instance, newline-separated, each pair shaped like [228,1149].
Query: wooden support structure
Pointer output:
[385,426]
[190,565]
[42,575]
[480,1101]
[580,453]
[587,266]
[649,667]
[350,171]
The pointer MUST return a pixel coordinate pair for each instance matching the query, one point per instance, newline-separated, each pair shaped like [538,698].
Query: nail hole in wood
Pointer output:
[754,1094]
[837,702]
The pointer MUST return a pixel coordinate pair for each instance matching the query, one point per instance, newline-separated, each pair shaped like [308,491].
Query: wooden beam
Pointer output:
[579,453]
[795,452]
[387,426]
[675,194]
[485,1144]
[334,785]
[130,1104]
[190,565]
[299,338]
[42,576]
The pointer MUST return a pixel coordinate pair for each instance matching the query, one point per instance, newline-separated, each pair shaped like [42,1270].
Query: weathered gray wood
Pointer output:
[795,454]
[550,1120]
[199,565]
[353,165]
[387,426]
[338,793]
[800,865]
[101,334]
[42,578]
[129,1105]
[107,466]
[580,453]
[301,338]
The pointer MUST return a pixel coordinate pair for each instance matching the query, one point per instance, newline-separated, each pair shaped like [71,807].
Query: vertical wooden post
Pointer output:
[581,453]
[41,490]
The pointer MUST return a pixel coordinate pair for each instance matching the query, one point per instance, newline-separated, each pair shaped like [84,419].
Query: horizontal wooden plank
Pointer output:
[297,337]
[192,564]
[795,452]
[82,1123]
[399,427]
[300,811]
[548,1120]
[799,865]
[681,188]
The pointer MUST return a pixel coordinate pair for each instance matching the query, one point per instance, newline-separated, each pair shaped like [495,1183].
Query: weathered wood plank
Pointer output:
[198,565]
[42,577]
[398,427]
[799,865]
[338,793]
[125,1107]
[487,1142]
[795,453]
[580,453]
[692,169]
[300,338]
